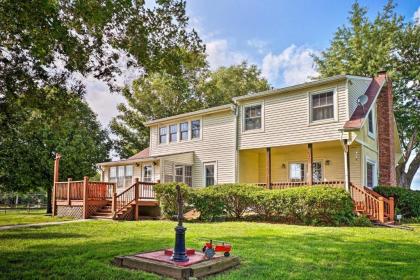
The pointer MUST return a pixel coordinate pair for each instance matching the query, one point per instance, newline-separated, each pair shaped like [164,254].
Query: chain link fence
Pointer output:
[12,201]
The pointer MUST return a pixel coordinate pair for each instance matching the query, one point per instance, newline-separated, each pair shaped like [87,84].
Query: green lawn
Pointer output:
[22,216]
[268,251]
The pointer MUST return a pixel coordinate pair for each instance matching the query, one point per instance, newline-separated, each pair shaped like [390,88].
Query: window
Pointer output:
[162,135]
[147,173]
[370,174]
[188,175]
[322,106]
[113,172]
[128,175]
[173,131]
[120,180]
[209,174]
[252,118]
[297,172]
[371,127]
[179,173]
[195,129]
[317,171]
[183,131]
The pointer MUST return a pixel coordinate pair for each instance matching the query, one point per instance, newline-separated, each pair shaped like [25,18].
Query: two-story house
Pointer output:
[309,133]
[338,131]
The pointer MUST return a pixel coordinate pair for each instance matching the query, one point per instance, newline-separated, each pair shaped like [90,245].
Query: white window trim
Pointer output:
[177,133]
[262,118]
[335,104]
[375,171]
[215,171]
[178,126]
[372,134]
[166,137]
[305,169]
[190,129]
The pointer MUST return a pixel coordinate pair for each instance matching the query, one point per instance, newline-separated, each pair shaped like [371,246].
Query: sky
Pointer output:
[277,35]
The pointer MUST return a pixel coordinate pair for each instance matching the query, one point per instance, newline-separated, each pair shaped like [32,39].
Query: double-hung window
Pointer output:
[195,129]
[162,135]
[297,172]
[322,106]
[370,173]
[183,173]
[210,174]
[113,174]
[173,133]
[128,175]
[179,173]
[253,117]
[183,131]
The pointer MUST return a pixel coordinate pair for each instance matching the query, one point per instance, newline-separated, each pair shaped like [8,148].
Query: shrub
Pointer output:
[407,202]
[167,196]
[361,221]
[237,197]
[309,205]
[208,202]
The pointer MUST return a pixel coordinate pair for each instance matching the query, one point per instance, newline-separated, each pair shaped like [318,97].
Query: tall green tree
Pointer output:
[364,47]
[161,95]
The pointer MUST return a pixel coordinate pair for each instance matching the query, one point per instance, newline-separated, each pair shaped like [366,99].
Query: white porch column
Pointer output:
[346,166]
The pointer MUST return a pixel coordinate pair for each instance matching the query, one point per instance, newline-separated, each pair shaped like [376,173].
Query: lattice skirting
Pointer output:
[128,216]
[92,209]
[70,211]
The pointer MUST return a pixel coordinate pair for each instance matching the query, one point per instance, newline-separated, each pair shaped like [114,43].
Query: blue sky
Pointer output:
[279,36]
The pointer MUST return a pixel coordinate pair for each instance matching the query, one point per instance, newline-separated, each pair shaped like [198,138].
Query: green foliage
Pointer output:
[364,47]
[209,202]
[220,86]
[167,195]
[407,202]
[361,221]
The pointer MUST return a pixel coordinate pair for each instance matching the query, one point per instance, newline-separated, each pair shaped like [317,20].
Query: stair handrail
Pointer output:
[125,198]
[372,203]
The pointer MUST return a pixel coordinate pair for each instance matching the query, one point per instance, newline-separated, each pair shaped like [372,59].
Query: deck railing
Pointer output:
[286,185]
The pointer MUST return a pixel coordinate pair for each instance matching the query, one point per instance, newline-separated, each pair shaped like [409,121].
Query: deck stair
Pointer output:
[104,213]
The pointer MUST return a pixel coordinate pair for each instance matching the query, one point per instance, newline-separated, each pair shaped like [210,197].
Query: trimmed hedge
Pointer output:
[407,202]
[166,194]
[307,205]
[304,205]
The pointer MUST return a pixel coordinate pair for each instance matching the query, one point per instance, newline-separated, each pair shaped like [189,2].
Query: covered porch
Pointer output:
[327,163]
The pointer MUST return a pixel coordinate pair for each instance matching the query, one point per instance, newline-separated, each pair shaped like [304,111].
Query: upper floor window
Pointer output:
[162,135]
[371,125]
[195,129]
[322,106]
[252,118]
[173,132]
[183,131]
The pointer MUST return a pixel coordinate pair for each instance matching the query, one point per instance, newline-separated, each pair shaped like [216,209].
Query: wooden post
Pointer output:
[136,198]
[114,199]
[381,210]
[85,196]
[268,168]
[391,209]
[68,190]
[55,180]
[310,174]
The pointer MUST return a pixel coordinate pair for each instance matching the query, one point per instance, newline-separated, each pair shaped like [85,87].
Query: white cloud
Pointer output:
[416,16]
[220,54]
[101,101]
[257,44]
[292,66]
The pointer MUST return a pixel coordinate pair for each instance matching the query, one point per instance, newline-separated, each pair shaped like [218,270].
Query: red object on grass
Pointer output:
[170,252]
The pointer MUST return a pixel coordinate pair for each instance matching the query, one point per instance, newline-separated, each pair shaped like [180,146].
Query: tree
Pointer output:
[386,43]
[54,121]
[220,86]
[162,95]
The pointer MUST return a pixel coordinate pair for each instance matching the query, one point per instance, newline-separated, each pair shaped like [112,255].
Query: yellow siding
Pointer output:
[286,119]
[355,164]
[217,144]
[252,162]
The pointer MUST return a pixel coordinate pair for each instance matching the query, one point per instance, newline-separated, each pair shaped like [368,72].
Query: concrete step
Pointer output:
[103,214]
[101,217]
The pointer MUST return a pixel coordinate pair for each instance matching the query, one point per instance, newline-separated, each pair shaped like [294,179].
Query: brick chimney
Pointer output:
[385,121]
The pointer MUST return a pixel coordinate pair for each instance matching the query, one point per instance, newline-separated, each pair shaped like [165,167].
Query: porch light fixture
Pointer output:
[283,166]
[327,162]
[137,164]
[154,163]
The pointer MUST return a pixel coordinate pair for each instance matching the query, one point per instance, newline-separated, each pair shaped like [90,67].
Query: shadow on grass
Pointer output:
[39,235]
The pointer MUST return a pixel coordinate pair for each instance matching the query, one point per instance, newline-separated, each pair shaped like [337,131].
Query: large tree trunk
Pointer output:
[404,179]
[49,202]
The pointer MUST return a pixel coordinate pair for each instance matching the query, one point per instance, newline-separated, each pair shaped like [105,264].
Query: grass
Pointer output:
[22,216]
[267,251]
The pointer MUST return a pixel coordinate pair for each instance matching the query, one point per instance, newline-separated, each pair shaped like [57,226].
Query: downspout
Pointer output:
[235,109]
